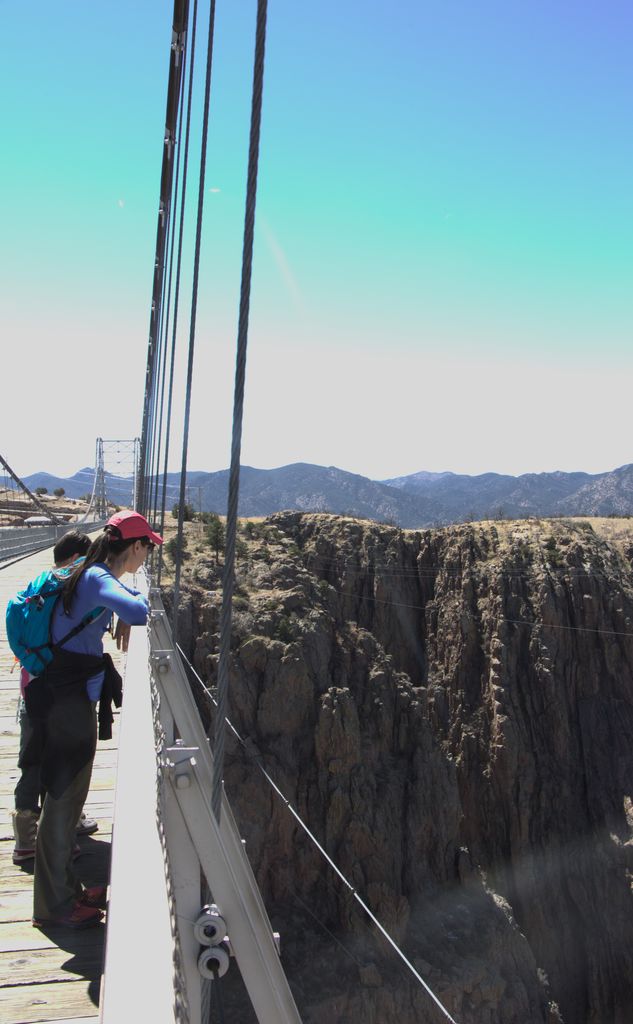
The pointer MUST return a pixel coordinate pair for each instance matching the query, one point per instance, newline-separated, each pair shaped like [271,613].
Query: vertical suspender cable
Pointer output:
[144,425]
[154,436]
[160,375]
[194,309]
[165,326]
[185,165]
[160,389]
[238,409]
[151,415]
[153,348]
[181,11]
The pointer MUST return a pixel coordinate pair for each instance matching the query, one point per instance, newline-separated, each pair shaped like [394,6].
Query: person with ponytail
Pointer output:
[64,696]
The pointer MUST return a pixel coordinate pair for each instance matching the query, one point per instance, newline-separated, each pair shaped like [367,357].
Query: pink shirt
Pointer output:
[25,679]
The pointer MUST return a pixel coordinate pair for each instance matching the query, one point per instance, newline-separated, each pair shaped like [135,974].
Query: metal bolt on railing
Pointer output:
[178,761]
[161,660]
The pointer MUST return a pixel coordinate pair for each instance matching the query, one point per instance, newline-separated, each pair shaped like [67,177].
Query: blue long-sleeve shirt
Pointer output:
[97,588]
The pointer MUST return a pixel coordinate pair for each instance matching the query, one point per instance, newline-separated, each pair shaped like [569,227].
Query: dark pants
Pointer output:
[68,752]
[28,792]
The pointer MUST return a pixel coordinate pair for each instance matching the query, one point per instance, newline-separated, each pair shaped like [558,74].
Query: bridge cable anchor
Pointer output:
[178,761]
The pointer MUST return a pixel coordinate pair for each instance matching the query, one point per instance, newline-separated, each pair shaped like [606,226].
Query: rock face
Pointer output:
[451,714]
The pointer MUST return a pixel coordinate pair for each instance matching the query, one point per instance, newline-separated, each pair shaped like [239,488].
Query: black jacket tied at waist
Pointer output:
[59,698]
[111,693]
[65,679]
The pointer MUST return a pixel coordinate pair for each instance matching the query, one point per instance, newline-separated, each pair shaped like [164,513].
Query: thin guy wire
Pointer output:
[352,891]
[194,308]
[499,618]
[238,409]
[325,928]
[387,570]
[540,575]
[172,364]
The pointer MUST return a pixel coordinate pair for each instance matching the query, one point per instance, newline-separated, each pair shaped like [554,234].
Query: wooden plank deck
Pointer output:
[53,976]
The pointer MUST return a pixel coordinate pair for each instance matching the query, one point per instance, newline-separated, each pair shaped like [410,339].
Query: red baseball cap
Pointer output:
[132,526]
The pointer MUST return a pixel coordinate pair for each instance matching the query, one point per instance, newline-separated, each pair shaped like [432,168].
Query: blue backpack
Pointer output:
[29,617]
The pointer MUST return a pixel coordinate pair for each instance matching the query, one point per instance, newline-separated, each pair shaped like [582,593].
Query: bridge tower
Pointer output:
[101,499]
[121,457]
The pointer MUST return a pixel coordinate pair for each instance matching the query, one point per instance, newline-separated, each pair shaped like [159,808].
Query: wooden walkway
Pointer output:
[54,976]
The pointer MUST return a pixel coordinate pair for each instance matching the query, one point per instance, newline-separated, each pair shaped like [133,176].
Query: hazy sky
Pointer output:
[444,241]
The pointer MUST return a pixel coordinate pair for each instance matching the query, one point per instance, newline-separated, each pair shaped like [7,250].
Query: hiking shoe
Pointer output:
[94,896]
[86,826]
[78,916]
[25,834]
[21,855]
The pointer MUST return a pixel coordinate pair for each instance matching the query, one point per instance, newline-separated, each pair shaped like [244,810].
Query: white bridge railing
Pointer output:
[16,541]
[160,947]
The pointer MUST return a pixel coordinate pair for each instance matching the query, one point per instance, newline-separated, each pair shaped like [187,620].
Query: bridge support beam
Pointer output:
[165,838]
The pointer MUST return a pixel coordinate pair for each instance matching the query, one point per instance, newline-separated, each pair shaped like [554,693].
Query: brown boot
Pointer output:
[25,832]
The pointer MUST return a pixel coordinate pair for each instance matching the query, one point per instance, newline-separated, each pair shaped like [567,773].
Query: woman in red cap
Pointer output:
[65,696]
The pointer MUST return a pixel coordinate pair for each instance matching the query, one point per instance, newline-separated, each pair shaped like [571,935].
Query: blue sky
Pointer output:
[443,249]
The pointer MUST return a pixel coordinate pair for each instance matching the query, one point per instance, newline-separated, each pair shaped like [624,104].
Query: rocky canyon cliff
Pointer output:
[451,713]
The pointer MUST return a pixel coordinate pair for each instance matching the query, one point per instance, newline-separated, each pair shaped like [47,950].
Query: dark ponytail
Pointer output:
[108,543]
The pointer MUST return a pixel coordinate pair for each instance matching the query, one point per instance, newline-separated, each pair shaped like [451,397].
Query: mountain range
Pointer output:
[418,500]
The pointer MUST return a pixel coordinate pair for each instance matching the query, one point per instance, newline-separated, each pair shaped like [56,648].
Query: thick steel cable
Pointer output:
[22,486]
[238,410]
[8,492]
[8,498]
[194,310]
[185,166]
[205,999]
[217,989]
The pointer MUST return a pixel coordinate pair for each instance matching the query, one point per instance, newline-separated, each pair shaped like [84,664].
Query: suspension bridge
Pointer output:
[184,907]
[31,520]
